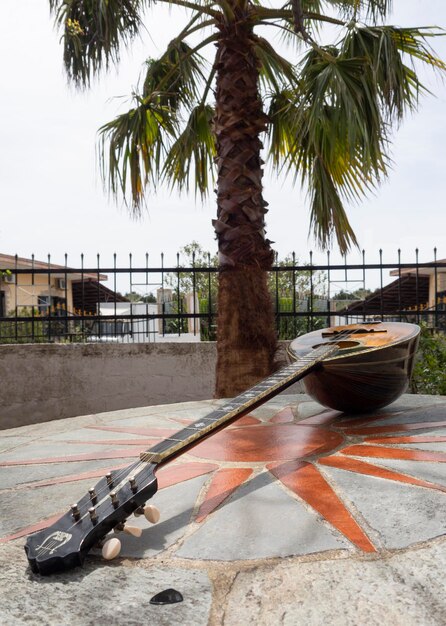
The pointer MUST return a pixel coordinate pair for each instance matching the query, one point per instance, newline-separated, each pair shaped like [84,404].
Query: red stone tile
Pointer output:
[282,417]
[367,469]
[247,420]
[32,528]
[408,439]
[393,428]
[121,442]
[173,474]
[380,452]
[148,432]
[305,480]
[74,477]
[268,442]
[224,483]
[91,456]
[182,420]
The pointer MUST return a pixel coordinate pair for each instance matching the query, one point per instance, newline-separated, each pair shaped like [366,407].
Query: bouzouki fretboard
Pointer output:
[238,406]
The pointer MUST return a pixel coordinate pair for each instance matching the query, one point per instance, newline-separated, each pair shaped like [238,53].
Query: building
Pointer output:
[417,292]
[28,286]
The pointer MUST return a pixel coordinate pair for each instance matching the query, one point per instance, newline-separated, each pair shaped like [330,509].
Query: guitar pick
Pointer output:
[168,596]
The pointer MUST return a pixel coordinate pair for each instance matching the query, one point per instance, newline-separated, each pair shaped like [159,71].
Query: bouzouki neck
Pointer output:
[238,406]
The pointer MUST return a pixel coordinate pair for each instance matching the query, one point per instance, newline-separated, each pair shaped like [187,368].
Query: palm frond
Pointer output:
[132,149]
[275,70]
[94,32]
[330,133]
[176,76]
[383,47]
[327,214]
[193,153]
[341,108]
[283,127]
[356,9]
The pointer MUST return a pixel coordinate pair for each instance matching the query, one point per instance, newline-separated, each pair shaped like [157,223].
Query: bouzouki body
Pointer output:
[360,367]
[371,369]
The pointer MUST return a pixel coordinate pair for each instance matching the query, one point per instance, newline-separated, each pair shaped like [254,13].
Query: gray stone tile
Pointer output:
[100,594]
[261,521]
[45,449]
[55,426]
[91,434]
[7,443]
[28,506]
[431,413]
[163,416]
[433,472]
[405,589]
[401,514]
[11,477]
[176,505]
[308,409]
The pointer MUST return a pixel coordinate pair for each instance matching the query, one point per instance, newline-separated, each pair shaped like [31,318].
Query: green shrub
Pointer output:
[429,374]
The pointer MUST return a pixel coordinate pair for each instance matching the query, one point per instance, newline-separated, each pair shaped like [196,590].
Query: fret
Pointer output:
[252,397]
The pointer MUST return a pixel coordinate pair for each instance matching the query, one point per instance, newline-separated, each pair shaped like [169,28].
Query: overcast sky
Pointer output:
[51,197]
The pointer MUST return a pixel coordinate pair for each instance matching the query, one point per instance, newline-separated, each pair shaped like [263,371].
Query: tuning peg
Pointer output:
[129,530]
[111,548]
[132,530]
[150,512]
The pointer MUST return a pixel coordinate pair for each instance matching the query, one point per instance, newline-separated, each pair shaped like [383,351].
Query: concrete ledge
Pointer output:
[41,382]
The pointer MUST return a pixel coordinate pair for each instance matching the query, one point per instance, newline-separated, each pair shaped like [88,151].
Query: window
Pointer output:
[43,304]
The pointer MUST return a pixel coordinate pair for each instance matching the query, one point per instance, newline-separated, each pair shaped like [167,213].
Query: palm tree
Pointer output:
[326,118]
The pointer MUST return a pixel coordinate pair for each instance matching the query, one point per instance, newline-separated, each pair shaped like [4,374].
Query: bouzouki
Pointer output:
[356,368]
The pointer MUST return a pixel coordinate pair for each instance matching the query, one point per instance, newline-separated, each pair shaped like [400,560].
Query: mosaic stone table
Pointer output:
[294,514]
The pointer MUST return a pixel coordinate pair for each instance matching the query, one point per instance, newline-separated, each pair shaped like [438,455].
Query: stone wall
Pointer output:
[41,382]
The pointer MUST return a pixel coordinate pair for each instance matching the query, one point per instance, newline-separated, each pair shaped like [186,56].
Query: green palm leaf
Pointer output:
[94,32]
[373,9]
[383,47]
[137,144]
[176,76]
[275,70]
[193,153]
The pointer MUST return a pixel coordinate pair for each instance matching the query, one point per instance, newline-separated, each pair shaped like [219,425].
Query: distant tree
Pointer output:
[133,296]
[193,256]
[287,282]
[357,294]
[326,113]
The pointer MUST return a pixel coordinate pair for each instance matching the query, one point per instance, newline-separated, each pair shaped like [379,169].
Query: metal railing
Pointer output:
[48,302]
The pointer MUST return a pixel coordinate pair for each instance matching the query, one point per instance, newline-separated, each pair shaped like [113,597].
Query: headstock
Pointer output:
[105,507]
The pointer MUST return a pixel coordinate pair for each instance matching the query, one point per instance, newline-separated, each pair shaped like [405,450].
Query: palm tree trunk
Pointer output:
[246,340]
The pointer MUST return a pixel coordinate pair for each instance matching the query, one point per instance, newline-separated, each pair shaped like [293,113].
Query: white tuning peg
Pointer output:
[111,548]
[130,530]
[150,512]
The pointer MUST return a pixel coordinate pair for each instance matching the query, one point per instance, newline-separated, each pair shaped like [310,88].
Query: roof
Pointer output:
[427,269]
[13,262]
[399,295]
[87,294]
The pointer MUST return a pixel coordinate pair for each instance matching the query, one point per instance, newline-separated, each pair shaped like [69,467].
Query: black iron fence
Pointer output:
[41,301]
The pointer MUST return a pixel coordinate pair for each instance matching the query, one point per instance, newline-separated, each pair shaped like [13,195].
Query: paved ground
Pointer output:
[293,515]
